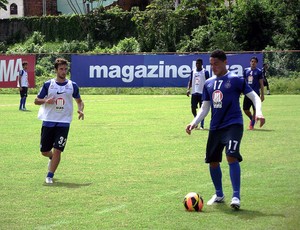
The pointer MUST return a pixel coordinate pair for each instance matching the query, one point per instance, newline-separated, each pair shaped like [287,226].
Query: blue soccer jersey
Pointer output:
[224,96]
[252,77]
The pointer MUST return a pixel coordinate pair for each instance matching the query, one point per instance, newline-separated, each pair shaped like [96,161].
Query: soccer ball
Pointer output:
[193,202]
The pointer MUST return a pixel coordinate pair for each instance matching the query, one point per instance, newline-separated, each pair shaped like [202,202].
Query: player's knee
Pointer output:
[214,164]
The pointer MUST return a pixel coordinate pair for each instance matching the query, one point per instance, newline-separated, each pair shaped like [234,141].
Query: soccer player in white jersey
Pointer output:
[22,83]
[221,93]
[196,82]
[56,111]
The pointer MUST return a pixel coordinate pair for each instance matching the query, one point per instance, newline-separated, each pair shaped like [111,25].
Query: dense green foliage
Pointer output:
[196,25]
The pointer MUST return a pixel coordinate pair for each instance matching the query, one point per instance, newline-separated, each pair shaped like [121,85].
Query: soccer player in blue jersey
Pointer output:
[221,93]
[196,82]
[255,80]
[56,111]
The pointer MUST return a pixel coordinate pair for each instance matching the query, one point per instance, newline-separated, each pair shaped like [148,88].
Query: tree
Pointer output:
[3,4]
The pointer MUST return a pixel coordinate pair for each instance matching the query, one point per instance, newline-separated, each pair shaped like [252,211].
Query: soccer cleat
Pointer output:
[251,126]
[201,127]
[216,199]
[49,180]
[235,203]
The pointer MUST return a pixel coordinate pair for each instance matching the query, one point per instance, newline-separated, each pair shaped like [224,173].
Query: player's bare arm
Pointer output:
[40,101]
[80,105]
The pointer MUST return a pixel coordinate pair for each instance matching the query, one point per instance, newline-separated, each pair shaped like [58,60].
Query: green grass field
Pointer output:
[129,164]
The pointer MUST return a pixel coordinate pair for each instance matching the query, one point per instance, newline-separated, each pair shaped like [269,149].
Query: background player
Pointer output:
[254,78]
[196,82]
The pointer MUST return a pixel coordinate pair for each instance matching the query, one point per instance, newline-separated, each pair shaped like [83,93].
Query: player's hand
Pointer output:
[262,98]
[261,119]
[189,129]
[50,100]
[80,115]
[188,93]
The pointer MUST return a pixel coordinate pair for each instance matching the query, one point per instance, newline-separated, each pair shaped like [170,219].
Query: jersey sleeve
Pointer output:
[44,90]
[206,74]
[205,94]
[245,87]
[76,93]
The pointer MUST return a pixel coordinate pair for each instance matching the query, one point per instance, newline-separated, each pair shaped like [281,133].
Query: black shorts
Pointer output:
[247,103]
[24,91]
[229,137]
[195,100]
[53,137]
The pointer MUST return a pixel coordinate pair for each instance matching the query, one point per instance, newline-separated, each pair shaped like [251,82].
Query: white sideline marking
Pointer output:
[116,208]
[51,226]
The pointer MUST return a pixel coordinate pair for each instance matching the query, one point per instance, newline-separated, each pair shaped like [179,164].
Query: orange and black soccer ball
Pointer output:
[193,202]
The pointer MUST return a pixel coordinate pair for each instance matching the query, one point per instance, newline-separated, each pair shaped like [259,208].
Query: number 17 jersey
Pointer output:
[224,93]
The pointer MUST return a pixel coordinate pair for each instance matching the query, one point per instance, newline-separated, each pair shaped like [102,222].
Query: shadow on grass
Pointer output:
[57,183]
[244,213]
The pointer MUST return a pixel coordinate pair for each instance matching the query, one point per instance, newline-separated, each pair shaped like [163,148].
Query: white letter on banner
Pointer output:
[98,70]
[161,69]
[237,69]
[168,69]
[6,72]
[18,66]
[152,70]
[140,71]
[128,73]
[184,71]
[114,71]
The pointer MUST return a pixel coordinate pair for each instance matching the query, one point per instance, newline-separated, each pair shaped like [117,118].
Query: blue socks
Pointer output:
[50,174]
[235,176]
[216,176]
[22,103]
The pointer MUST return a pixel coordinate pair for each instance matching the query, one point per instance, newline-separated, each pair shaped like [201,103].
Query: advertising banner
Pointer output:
[147,70]
[10,65]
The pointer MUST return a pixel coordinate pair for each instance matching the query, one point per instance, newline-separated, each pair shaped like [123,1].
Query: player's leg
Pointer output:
[247,103]
[214,156]
[46,145]
[25,90]
[233,139]
[194,107]
[21,100]
[60,140]
[194,103]
[200,104]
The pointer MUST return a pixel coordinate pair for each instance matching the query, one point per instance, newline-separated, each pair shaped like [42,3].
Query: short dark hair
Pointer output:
[199,60]
[255,58]
[60,61]
[24,63]
[220,54]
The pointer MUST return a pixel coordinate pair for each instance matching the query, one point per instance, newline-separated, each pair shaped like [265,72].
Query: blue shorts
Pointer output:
[53,137]
[229,137]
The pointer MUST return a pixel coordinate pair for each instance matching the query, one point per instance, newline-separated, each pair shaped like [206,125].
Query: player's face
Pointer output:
[61,71]
[218,66]
[253,63]
[199,65]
